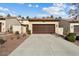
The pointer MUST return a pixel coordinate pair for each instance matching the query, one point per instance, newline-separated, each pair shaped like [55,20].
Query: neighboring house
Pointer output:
[70,26]
[74,26]
[2,24]
[44,26]
[14,23]
[65,25]
[7,22]
[24,24]
[39,25]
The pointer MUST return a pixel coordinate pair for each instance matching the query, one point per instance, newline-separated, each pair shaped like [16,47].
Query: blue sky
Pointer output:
[36,9]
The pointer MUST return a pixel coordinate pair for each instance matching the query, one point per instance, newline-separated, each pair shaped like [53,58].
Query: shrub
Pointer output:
[24,35]
[2,41]
[17,32]
[71,37]
[28,32]
[11,29]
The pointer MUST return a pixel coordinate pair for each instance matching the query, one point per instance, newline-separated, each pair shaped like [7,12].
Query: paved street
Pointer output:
[46,45]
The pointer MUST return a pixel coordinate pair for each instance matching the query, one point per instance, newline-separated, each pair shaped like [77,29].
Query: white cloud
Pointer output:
[2,14]
[4,11]
[30,5]
[42,15]
[36,6]
[57,10]
[73,7]
[33,6]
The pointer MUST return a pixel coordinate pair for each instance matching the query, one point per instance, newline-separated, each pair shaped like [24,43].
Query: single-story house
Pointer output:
[52,26]
[39,25]
[11,24]
[24,25]
[74,26]
[70,26]
[2,24]
[44,26]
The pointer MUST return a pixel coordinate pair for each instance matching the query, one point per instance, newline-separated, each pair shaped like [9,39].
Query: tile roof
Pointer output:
[42,19]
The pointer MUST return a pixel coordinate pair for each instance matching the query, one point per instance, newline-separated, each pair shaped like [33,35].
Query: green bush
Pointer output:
[71,37]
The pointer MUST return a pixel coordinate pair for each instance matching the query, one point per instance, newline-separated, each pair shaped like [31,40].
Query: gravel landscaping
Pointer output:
[11,43]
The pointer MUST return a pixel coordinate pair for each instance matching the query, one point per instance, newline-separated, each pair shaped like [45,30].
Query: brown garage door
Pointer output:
[76,29]
[43,28]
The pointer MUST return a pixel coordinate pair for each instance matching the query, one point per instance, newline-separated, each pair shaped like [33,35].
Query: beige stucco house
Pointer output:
[7,22]
[74,27]
[45,26]
[39,25]
[2,24]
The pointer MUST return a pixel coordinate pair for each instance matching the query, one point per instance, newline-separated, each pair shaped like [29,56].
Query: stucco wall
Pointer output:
[56,25]
[11,22]
[24,22]
[16,28]
[60,31]
[3,25]
[72,27]
[23,29]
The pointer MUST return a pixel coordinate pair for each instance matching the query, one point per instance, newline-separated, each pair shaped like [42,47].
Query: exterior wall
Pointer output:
[24,22]
[16,28]
[12,22]
[56,25]
[60,31]
[72,27]
[23,29]
[3,25]
[65,25]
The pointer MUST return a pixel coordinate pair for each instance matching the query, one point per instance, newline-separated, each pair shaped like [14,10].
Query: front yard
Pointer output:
[12,42]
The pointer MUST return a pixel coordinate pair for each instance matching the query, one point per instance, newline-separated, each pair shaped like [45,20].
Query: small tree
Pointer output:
[60,18]
[27,17]
[51,16]
[19,15]
[23,18]
[8,15]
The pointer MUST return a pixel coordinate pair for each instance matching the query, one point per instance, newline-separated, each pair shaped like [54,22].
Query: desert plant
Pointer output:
[2,41]
[24,35]
[17,34]
[11,29]
[71,37]
[28,32]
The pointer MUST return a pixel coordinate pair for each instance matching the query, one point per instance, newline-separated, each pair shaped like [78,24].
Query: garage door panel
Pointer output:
[43,28]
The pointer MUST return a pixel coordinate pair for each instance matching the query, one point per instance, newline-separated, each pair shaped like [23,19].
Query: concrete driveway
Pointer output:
[46,45]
